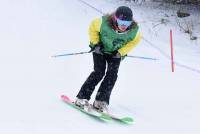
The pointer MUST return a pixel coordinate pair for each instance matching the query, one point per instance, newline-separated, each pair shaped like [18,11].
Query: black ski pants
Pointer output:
[109,79]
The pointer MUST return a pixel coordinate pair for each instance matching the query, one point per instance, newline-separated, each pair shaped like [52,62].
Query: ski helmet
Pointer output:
[124,13]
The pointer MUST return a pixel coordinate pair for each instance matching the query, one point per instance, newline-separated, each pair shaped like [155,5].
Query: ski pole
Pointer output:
[69,54]
[78,53]
[141,57]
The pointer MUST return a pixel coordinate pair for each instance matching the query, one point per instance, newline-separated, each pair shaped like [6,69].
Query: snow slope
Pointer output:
[31,31]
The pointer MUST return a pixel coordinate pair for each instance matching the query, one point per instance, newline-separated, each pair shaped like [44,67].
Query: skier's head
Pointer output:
[124,13]
[123,17]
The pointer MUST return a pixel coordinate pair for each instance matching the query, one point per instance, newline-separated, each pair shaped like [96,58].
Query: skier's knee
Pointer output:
[113,74]
[99,74]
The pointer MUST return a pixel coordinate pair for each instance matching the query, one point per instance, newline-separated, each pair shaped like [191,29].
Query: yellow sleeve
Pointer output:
[94,31]
[130,45]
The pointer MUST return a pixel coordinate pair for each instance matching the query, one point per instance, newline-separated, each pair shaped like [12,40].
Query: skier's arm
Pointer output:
[130,45]
[94,31]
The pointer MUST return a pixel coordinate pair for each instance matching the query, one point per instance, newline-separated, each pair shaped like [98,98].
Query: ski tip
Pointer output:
[64,97]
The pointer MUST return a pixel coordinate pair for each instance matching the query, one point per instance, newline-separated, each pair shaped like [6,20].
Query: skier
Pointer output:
[111,38]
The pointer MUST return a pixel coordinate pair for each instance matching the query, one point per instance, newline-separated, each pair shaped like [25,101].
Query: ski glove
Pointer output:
[96,49]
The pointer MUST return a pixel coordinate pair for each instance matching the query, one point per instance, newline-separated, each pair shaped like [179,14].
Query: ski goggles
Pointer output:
[123,22]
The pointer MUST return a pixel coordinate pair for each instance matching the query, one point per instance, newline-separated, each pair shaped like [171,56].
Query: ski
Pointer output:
[92,112]
[89,110]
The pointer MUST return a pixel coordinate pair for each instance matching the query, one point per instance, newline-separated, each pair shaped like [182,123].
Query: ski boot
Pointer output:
[82,103]
[100,106]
